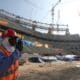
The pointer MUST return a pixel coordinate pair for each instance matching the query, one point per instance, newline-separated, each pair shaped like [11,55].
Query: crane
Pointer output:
[52,11]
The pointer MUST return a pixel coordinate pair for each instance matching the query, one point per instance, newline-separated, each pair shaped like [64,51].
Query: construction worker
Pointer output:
[10,51]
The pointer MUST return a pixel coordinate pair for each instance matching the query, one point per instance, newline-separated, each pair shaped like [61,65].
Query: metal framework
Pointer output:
[30,23]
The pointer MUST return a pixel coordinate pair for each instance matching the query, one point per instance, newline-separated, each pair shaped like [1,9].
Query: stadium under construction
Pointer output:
[45,43]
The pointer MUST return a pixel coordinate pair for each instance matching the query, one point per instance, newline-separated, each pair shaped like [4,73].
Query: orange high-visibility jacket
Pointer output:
[12,72]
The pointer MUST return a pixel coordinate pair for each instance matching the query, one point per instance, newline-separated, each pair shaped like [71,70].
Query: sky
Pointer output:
[66,12]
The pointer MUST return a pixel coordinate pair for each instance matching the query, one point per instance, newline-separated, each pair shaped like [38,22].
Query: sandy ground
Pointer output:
[50,71]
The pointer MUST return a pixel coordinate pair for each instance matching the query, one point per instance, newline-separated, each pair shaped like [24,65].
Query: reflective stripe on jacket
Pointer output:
[12,71]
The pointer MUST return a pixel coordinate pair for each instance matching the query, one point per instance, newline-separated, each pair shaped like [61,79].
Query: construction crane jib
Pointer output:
[52,11]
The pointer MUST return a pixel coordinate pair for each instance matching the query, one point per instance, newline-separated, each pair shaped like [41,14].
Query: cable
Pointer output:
[67,2]
[33,4]
[47,13]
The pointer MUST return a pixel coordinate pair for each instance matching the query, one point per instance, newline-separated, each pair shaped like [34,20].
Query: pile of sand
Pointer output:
[54,71]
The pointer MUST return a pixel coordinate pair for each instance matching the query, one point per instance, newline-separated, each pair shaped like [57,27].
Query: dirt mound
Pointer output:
[55,71]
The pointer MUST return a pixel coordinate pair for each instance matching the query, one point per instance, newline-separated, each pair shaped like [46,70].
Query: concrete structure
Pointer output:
[45,42]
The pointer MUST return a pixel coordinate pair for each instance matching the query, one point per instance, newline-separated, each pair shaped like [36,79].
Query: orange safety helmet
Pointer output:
[9,33]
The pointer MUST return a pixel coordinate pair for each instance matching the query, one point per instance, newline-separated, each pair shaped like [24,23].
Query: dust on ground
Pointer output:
[50,71]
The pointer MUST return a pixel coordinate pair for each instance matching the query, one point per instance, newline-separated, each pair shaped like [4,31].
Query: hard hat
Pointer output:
[9,33]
